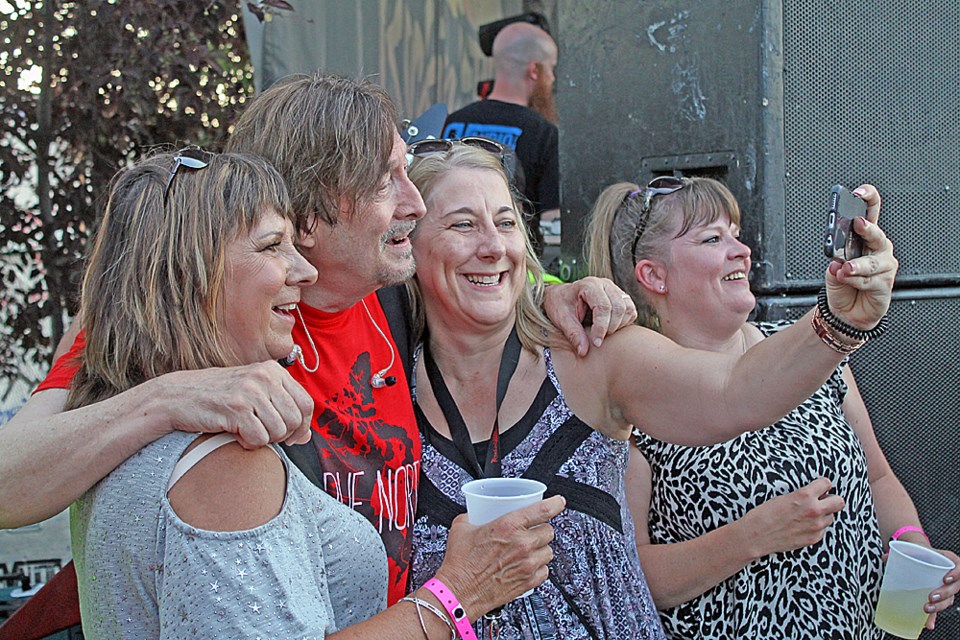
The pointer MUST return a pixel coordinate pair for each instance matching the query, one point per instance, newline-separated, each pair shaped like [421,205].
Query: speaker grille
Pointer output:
[871,92]
[801,94]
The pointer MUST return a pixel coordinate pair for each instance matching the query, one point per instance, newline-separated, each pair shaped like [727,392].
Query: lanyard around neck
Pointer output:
[458,428]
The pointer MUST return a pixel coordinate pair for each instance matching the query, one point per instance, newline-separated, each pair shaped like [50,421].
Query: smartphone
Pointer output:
[842,243]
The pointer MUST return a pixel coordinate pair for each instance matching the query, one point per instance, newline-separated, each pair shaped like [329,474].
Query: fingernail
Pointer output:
[935,597]
[597,342]
[949,579]
[929,608]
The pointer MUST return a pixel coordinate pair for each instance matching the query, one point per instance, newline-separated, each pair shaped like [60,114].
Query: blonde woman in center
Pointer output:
[563,419]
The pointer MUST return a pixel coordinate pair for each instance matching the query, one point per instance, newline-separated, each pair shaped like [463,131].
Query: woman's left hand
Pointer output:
[859,290]
[567,306]
[942,597]
[489,565]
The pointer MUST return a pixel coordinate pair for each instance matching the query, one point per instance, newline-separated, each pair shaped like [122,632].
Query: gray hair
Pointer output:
[330,137]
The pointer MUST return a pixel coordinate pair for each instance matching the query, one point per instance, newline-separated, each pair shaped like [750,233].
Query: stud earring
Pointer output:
[663,288]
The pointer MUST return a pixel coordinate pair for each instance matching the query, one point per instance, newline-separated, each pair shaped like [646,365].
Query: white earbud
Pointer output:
[377,380]
[296,354]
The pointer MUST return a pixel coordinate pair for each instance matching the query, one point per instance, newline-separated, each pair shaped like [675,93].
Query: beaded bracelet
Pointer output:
[432,609]
[449,601]
[825,334]
[848,330]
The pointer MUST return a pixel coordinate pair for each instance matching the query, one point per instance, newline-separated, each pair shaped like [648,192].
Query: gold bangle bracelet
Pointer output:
[828,338]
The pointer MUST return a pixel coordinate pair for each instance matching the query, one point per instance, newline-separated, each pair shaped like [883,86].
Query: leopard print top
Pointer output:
[827,590]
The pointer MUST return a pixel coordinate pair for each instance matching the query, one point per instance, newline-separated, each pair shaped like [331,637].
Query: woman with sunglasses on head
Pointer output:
[194,266]
[498,394]
[775,533]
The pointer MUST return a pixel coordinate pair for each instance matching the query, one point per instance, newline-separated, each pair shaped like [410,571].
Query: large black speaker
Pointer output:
[780,99]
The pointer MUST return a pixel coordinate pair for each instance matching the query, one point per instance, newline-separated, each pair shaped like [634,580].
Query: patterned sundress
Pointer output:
[596,580]
[827,590]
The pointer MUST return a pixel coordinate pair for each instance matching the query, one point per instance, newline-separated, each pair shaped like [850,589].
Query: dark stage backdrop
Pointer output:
[909,381]
[781,100]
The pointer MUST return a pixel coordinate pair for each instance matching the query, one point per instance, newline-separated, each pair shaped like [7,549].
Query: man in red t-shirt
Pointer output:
[335,142]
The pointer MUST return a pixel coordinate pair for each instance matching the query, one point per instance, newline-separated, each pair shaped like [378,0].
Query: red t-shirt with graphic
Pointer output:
[369,446]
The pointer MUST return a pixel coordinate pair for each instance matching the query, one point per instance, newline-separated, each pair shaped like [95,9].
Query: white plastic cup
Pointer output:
[489,498]
[912,572]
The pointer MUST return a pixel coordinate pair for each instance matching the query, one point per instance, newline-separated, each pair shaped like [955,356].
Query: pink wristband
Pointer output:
[902,530]
[453,607]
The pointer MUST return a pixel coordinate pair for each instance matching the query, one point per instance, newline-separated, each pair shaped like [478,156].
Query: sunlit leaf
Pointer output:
[279,4]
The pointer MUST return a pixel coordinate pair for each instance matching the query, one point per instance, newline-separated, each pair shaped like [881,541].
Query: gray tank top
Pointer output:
[315,568]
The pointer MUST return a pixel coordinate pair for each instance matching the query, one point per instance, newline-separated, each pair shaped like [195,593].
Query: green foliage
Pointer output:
[85,89]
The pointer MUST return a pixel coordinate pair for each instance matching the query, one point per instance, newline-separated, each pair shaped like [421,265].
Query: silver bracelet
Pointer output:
[435,611]
[423,627]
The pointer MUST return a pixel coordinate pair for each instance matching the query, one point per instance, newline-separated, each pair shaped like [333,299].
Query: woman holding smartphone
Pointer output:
[776,533]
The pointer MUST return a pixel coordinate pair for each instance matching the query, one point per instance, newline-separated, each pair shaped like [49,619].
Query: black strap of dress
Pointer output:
[458,428]
[558,448]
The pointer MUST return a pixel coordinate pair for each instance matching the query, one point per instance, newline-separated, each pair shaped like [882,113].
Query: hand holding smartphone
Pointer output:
[842,243]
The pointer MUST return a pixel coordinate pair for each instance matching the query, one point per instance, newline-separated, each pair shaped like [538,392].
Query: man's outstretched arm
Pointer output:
[49,458]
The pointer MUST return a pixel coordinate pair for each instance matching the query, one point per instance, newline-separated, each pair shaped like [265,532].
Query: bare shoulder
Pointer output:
[634,334]
[627,344]
[231,488]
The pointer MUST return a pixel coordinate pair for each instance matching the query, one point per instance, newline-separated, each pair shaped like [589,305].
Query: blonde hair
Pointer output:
[153,285]
[533,327]
[613,224]
[330,137]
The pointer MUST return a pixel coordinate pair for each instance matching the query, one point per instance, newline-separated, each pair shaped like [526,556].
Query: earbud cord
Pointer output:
[393,355]
[299,352]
